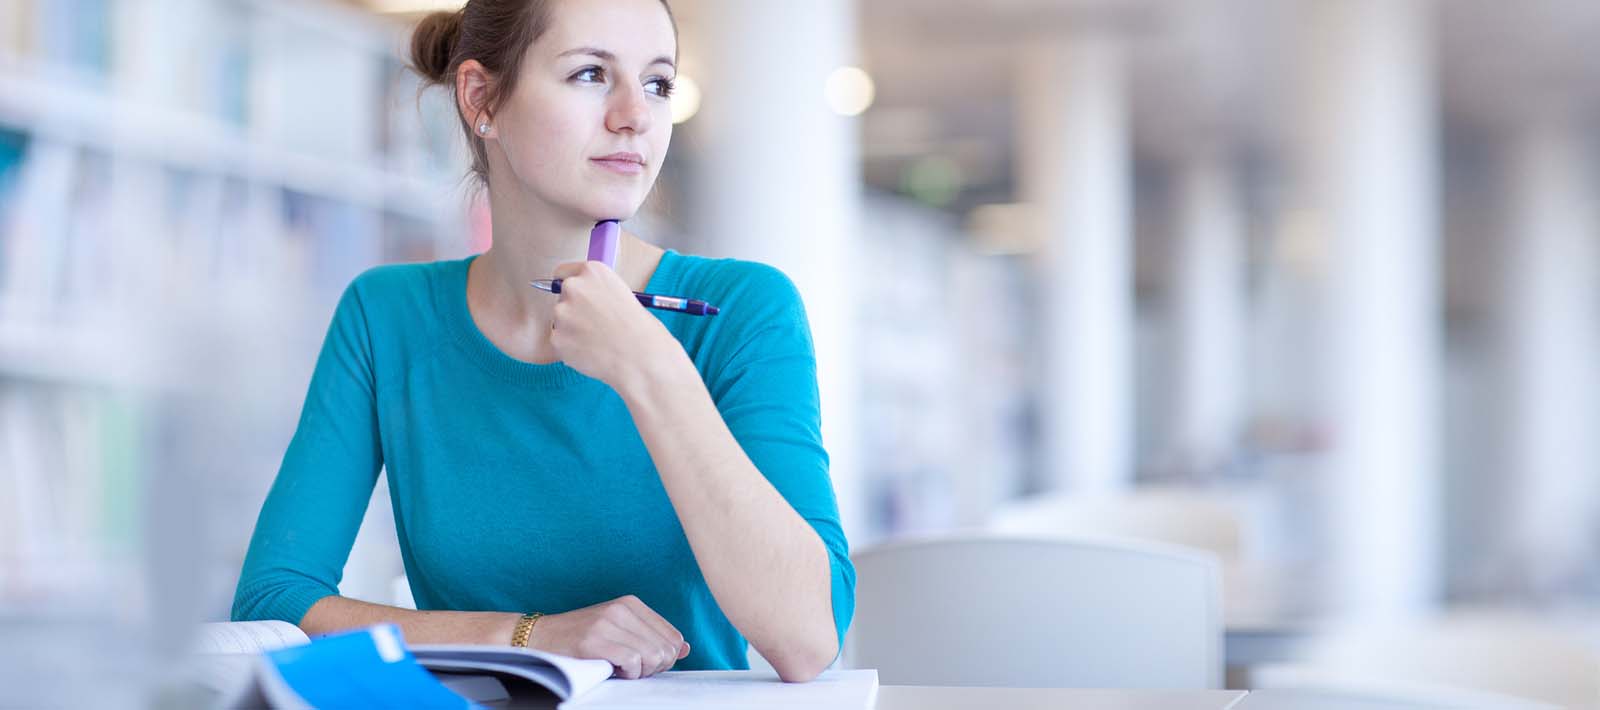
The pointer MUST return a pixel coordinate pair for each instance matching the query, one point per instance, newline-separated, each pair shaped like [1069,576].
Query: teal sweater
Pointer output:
[522,487]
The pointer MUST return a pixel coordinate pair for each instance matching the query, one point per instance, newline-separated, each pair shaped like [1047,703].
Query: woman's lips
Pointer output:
[621,163]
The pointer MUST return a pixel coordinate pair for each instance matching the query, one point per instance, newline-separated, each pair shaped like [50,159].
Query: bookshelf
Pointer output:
[45,110]
[186,186]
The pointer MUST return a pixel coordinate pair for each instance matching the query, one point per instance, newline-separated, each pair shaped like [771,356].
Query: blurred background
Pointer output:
[1311,284]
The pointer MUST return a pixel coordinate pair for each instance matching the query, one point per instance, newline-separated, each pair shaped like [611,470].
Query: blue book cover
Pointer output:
[359,669]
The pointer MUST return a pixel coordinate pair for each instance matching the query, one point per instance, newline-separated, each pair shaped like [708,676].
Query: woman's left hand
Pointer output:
[601,330]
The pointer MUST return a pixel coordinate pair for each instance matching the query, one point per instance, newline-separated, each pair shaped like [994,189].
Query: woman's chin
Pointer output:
[606,196]
[611,209]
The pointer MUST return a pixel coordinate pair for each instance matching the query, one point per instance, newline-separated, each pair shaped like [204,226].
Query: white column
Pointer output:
[1208,306]
[1073,168]
[1549,334]
[1367,164]
[779,180]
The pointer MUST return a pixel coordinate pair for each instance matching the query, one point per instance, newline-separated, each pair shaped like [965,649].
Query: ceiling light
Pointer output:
[849,91]
[685,98]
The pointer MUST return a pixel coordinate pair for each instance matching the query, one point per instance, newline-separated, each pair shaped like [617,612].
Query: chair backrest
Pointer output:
[1010,611]
[1512,656]
[1179,517]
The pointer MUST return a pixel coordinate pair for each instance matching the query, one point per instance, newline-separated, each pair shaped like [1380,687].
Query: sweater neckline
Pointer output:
[496,361]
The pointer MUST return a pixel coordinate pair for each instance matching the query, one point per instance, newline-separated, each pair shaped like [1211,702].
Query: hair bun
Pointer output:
[433,44]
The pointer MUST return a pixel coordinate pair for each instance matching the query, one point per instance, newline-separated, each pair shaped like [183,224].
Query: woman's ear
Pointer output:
[474,88]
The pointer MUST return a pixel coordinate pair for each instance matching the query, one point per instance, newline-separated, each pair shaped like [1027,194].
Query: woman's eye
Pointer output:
[660,87]
[589,74]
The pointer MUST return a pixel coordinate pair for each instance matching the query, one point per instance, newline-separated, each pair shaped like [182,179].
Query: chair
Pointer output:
[1252,588]
[1008,611]
[1464,652]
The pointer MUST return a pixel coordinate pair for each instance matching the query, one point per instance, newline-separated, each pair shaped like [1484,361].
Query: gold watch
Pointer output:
[519,638]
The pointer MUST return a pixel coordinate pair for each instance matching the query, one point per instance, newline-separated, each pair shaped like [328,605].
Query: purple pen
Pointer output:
[691,306]
[603,242]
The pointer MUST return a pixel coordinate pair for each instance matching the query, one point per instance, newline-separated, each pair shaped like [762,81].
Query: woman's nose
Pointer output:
[627,111]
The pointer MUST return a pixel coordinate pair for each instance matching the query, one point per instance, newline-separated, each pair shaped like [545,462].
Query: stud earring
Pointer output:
[483,128]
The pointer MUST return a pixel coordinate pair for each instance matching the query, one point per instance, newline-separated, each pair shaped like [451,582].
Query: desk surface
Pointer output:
[906,697]
[920,697]
[1303,700]
[1313,699]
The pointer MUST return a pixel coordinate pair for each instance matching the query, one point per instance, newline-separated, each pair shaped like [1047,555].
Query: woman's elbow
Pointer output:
[804,665]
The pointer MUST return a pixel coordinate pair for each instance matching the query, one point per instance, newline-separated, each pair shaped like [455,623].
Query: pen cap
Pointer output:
[603,242]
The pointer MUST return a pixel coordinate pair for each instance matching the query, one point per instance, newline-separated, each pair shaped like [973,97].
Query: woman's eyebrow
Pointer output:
[608,56]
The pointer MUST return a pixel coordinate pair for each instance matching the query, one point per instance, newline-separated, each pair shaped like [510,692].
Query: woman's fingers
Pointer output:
[626,627]
[631,613]
[568,270]
[625,632]
[664,628]
[624,657]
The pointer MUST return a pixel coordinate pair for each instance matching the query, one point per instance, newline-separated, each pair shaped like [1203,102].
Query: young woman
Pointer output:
[574,473]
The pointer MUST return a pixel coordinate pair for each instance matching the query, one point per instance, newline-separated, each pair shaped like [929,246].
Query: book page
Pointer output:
[733,689]
[247,637]
[566,677]
[218,672]
[474,687]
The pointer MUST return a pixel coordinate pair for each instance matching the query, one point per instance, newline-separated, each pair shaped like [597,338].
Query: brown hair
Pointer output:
[497,33]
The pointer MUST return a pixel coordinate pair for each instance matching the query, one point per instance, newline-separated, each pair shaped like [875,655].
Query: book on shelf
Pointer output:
[191,55]
[483,673]
[66,498]
[80,229]
[73,34]
[14,30]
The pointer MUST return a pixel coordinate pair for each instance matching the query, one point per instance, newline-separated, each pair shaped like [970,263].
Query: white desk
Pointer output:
[1311,699]
[922,697]
[919,697]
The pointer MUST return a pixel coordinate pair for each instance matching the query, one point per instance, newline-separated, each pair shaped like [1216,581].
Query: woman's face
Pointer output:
[589,122]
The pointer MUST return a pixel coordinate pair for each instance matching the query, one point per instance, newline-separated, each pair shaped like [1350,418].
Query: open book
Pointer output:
[225,658]
[587,684]
[474,672]
[567,677]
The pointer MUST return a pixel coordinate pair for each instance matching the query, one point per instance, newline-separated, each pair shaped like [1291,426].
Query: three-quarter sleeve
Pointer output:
[767,394]
[310,518]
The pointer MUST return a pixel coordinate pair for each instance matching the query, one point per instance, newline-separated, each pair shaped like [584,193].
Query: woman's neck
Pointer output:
[529,243]
[527,249]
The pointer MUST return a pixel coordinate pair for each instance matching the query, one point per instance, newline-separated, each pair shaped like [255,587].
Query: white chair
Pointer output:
[1464,652]
[1252,590]
[1008,611]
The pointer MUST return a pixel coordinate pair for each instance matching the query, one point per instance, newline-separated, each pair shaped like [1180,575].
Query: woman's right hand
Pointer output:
[625,632]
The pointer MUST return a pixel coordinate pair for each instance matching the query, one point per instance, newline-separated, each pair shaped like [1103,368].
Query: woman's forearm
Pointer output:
[335,613]
[767,568]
